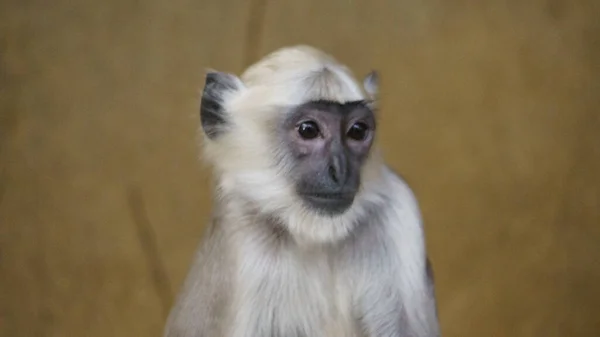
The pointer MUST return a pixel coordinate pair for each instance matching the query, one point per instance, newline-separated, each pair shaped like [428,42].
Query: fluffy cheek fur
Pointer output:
[245,167]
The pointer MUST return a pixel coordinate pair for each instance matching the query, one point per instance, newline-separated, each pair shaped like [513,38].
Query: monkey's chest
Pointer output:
[307,302]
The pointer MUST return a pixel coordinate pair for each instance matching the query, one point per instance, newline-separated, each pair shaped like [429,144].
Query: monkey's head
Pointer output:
[294,136]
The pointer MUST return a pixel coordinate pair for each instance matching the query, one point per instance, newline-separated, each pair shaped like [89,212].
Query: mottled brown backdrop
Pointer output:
[491,110]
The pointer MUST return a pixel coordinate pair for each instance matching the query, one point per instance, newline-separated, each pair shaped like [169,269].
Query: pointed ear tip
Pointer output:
[209,74]
[372,78]
[212,73]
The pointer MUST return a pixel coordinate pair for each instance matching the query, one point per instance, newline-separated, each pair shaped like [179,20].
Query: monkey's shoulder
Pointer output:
[399,192]
[397,179]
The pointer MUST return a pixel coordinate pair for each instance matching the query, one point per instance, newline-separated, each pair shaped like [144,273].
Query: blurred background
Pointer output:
[491,110]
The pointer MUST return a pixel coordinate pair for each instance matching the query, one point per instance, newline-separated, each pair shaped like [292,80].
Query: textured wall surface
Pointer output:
[491,110]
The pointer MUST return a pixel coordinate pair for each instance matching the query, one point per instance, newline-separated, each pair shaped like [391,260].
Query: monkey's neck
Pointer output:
[245,218]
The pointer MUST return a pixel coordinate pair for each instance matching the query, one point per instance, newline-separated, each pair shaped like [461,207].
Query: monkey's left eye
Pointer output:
[308,130]
[358,131]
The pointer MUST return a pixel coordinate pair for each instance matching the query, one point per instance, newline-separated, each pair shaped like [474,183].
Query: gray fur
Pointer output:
[213,116]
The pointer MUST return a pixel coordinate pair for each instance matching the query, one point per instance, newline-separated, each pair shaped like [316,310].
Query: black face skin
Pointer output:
[329,143]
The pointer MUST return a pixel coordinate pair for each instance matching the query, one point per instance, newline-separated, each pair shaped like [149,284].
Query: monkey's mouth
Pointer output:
[330,203]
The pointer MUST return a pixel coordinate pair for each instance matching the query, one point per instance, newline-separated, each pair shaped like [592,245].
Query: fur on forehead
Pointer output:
[295,75]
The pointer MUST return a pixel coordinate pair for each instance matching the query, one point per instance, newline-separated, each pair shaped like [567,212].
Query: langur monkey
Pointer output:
[312,234]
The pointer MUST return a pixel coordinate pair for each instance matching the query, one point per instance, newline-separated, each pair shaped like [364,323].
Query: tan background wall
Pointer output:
[490,110]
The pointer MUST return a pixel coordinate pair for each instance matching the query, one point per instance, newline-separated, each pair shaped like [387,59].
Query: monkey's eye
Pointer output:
[308,130]
[358,131]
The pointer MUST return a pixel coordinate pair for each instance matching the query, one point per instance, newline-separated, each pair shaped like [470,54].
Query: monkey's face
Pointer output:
[311,164]
[327,144]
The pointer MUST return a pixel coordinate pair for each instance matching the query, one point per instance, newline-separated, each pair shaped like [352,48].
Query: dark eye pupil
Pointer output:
[308,130]
[358,131]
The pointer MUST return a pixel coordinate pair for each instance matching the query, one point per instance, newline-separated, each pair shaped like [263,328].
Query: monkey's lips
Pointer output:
[331,203]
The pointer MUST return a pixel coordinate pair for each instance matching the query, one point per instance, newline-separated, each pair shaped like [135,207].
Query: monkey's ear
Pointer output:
[213,115]
[371,84]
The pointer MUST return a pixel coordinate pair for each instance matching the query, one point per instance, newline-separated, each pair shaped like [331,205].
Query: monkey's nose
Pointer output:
[338,172]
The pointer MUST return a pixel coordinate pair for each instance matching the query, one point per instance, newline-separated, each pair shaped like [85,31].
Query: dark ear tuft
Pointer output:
[213,116]
[371,84]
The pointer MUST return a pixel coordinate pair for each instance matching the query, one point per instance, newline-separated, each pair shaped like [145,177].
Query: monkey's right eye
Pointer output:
[308,130]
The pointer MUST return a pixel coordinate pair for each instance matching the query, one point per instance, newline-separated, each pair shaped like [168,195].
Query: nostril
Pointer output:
[333,174]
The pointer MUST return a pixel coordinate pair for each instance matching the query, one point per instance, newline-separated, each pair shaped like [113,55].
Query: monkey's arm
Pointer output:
[401,302]
[385,310]
[202,300]
[431,284]
[430,317]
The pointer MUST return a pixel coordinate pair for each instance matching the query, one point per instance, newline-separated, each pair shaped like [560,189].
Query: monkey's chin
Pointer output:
[329,205]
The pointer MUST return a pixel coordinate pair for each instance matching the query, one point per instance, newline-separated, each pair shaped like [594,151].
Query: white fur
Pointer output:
[359,274]
[286,78]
